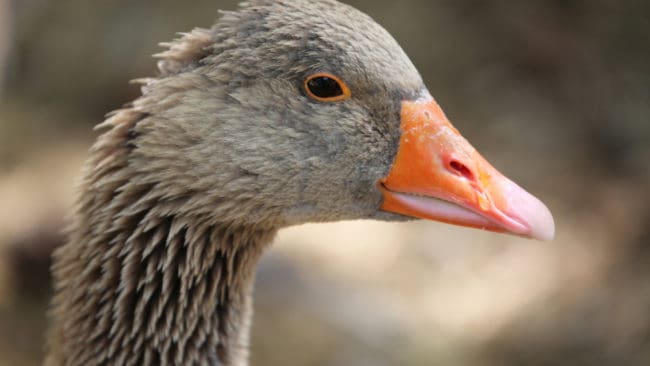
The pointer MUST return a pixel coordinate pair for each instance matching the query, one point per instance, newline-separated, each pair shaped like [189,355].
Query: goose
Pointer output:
[284,112]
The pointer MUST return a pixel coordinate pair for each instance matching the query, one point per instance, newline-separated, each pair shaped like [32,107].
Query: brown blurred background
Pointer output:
[556,93]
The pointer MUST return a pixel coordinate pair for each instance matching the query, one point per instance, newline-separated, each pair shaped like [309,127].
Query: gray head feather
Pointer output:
[189,183]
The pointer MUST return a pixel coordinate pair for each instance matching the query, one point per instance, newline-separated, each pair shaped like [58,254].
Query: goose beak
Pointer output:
[438,175]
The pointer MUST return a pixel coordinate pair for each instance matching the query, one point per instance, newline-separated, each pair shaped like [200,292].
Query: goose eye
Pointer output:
[326,88]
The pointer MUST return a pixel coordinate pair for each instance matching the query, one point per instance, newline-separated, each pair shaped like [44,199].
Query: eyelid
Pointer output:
[344,87]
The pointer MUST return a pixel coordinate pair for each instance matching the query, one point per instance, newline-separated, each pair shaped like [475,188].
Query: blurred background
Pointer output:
[556,94]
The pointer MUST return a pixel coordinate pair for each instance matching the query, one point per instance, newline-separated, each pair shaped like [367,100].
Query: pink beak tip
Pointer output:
[531,212]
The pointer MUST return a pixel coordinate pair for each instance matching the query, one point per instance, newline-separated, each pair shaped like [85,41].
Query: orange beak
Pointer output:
[438,175]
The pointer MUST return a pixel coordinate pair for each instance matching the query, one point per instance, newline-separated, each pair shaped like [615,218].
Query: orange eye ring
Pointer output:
[325,87]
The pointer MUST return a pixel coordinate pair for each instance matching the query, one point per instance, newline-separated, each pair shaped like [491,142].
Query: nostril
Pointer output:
[461,169]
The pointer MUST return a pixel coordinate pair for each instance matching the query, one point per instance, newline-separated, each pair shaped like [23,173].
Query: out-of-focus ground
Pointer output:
[554,93]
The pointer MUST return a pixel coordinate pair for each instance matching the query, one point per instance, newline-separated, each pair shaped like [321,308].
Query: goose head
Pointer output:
[284,112]
[301,111]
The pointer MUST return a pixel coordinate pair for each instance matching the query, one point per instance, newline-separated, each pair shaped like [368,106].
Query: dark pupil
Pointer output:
[324,87]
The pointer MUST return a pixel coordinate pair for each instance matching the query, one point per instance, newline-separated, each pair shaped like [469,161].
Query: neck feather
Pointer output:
[175,294]
[140,285]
